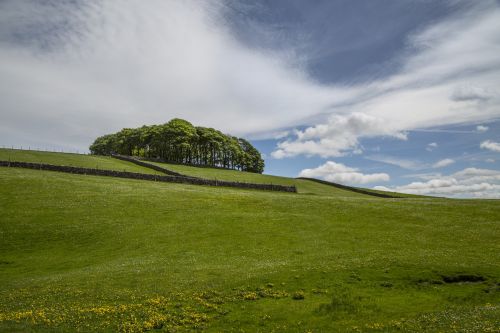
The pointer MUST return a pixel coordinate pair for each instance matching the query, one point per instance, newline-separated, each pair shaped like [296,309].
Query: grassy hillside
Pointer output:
[78,160]
[303,186]
[105,162]
[105,254]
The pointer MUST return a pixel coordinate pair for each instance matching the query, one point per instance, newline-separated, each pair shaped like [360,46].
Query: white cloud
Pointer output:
[490,145]
[490,160]
[339,134]
[443,163]
[431,146]
[340,173]
[475,175]
[470,182]
[482,129]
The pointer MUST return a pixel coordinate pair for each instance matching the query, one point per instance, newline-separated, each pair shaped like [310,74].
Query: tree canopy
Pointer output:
[179,141]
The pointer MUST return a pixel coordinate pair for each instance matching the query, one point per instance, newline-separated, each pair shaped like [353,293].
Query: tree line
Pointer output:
[179,141]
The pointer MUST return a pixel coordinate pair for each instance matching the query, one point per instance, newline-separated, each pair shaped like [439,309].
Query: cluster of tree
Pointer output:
[180,142]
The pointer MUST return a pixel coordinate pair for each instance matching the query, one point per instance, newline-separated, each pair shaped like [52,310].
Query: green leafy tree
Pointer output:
[180,142]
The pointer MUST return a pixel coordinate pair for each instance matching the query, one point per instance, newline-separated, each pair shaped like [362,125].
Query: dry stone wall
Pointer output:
[143,176]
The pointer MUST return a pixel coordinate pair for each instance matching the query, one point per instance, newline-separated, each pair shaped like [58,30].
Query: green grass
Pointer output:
[109,163]
[303,186]
[102,254]
[77,160]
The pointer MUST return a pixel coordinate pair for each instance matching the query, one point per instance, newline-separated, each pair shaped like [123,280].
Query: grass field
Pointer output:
[87,253]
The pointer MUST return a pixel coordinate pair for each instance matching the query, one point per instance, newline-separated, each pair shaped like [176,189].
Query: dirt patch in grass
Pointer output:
[452,279]
[459,278]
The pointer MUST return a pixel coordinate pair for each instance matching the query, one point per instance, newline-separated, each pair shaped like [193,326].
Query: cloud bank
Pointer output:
[340,173]
[480,183]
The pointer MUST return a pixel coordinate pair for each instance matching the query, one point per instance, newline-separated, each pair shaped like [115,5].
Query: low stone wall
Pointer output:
[143,176]
[348,188]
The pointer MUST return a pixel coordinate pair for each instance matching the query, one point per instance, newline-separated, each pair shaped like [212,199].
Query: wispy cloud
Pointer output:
[431,146]
[423,176]
[400,162]
[443,163]
[410,164]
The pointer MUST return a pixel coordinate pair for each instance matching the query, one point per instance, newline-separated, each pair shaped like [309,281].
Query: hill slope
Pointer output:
[109,163]
[107,254]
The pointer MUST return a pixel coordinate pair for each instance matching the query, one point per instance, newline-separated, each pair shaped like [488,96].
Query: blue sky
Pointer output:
[401,95]
[343,41]
[405,160]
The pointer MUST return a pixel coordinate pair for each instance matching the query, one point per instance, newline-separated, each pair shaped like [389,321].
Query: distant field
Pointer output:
[102,254]
[78,160]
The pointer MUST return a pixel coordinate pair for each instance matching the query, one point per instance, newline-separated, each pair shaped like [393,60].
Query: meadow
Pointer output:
[100,254]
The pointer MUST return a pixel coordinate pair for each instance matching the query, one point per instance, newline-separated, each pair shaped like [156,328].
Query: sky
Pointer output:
[397,95]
